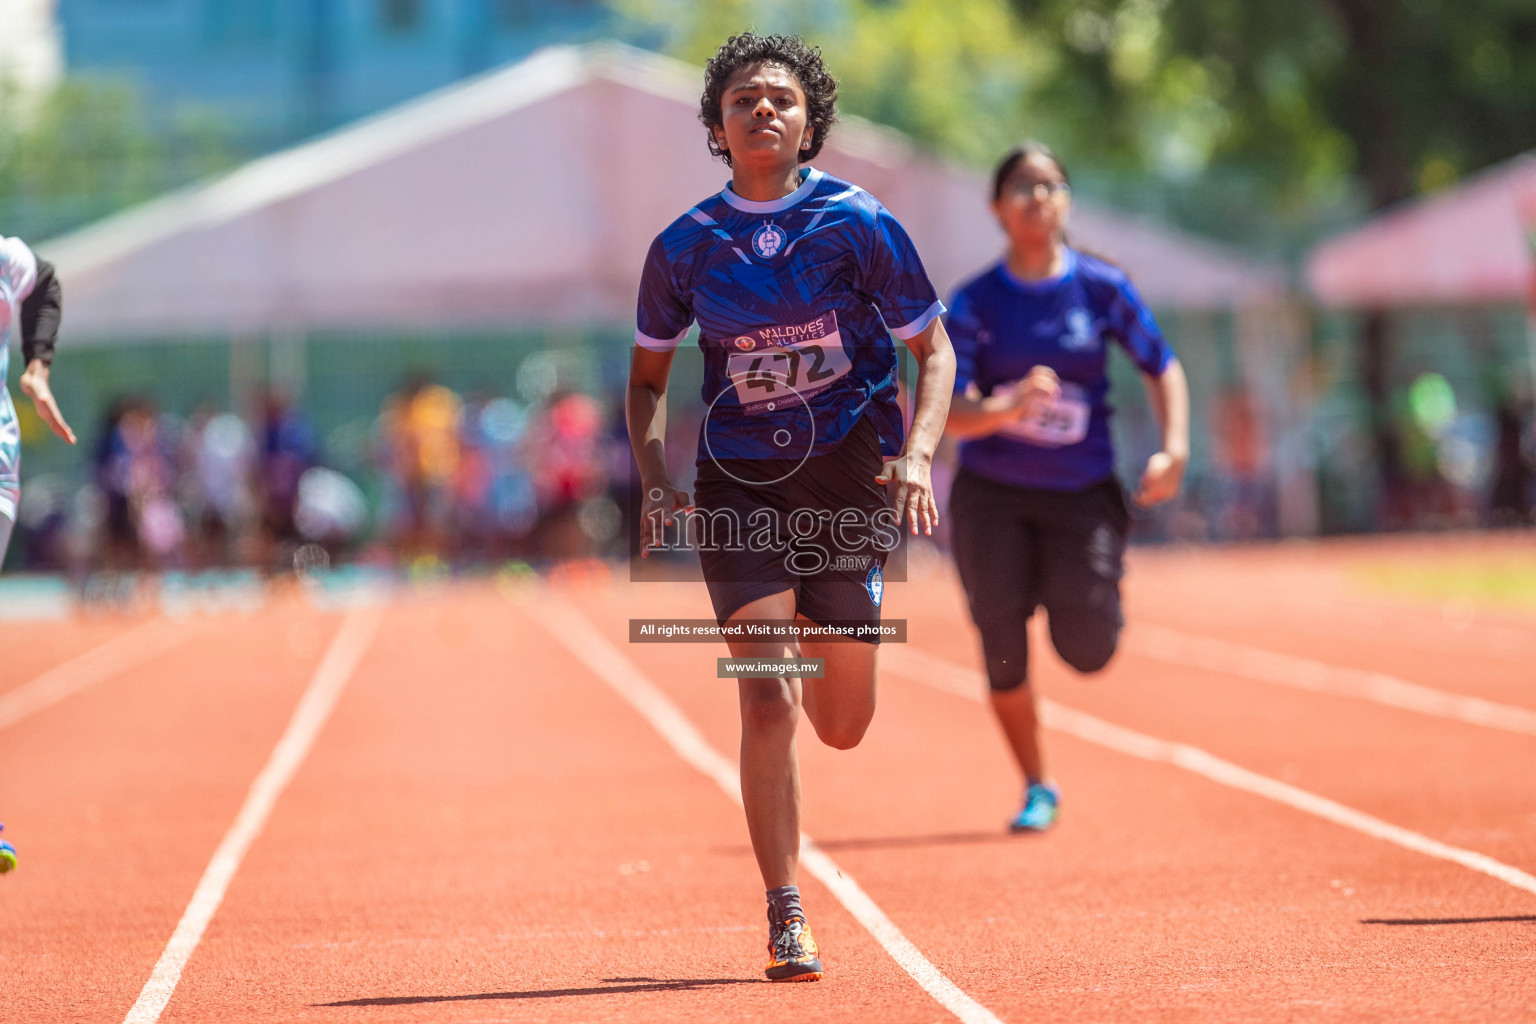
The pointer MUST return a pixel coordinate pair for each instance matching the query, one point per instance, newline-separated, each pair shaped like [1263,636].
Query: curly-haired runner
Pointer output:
[797,281]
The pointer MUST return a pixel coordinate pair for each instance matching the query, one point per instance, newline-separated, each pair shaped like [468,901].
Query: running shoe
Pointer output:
[7,855]
[1041,801]
[792,952]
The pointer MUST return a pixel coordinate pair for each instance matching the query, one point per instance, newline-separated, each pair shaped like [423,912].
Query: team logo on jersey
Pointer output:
[746,344]
[768,240]
[1079,336]
[875,584]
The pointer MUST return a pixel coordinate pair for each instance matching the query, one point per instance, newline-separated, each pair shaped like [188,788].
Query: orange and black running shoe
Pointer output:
[792,952]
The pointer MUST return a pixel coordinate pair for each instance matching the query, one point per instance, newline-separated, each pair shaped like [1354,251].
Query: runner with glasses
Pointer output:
[1037,515]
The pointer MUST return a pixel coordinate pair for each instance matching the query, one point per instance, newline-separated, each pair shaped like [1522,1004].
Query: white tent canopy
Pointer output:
[525,197]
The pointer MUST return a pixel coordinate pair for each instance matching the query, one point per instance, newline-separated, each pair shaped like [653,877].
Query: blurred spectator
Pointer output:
[497,507]
[119,539]
[218,458]
[151,440]
[514,504]
[1240,454]
[420,430]
[473,523]
[1511,497]
[288,448]
[142,524]
[568,466]
[330,512]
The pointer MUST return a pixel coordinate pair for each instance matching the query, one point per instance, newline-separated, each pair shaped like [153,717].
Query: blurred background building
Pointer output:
[279,70]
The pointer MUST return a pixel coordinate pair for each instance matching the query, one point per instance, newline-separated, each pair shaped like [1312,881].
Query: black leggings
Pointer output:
[1018,548]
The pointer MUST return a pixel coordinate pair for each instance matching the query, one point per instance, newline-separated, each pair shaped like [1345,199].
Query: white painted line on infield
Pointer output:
[582,639]
[1208,653]
[330,678]
[96,665]
[969,683]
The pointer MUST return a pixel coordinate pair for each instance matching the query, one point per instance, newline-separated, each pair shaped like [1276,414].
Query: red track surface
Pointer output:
[485,831]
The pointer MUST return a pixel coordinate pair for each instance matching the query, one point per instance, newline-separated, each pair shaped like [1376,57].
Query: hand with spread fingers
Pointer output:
[34,384]
[914,490]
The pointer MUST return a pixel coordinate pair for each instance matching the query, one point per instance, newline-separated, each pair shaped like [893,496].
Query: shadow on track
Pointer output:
[997,835]
[1518,918]
[614,986]
[901,842]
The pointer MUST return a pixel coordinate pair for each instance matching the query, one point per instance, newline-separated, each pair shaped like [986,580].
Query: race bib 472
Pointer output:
[769,365]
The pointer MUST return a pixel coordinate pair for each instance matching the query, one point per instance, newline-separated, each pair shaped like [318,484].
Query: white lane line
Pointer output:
[330,678]
[1211,654]
[96,665]
[969,683]
[582,639]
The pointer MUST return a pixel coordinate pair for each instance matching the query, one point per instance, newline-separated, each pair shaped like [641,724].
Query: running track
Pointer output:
[474,815]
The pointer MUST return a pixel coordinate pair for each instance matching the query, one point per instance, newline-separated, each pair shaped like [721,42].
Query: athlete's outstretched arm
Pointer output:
[1169,395]
[645,413]
[912,469]
[40,314]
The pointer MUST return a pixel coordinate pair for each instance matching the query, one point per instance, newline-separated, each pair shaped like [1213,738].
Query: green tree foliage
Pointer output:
[1406,94]
[1295,98]
[89,147]
[951,73]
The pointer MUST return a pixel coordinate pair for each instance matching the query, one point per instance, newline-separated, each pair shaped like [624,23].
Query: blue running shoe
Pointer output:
[1041,801]
[7,856]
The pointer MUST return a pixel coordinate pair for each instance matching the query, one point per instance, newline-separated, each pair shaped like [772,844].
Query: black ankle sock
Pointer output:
[784,903]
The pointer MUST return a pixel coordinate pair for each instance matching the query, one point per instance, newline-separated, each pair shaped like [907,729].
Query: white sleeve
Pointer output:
[18,268]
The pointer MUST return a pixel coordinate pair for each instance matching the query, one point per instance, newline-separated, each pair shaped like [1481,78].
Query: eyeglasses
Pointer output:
[1041,190]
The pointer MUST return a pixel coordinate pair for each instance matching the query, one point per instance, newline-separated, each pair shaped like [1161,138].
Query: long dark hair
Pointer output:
[1017,155]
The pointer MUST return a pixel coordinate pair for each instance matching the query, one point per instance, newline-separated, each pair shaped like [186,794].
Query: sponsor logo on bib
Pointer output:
[768,240]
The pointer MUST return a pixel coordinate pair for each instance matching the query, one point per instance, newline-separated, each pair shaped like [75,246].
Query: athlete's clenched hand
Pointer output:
[1037,389]
[657,507]
[914,489]
[1161,480]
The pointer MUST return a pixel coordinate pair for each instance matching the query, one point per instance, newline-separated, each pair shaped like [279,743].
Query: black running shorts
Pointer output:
[821,528]
[1018,548]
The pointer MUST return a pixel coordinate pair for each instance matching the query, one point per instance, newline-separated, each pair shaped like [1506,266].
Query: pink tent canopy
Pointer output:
[1466,246]
[500,201]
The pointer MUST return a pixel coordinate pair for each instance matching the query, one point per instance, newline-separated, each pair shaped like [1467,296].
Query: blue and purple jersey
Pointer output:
[1002,327]
[796,300]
